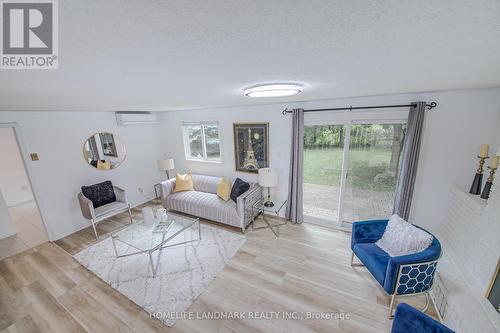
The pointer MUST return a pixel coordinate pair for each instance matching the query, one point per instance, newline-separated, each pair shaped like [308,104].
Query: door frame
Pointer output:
[25,157]
[347,120]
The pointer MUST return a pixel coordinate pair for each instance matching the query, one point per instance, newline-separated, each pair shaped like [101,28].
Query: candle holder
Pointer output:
[489,182]
[478,178]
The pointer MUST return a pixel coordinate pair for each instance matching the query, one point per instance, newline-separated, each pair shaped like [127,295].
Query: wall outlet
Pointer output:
[24,188]
[141,191]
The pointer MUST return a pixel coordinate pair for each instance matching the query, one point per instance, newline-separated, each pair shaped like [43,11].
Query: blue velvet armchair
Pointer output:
[409,320]
[399,276]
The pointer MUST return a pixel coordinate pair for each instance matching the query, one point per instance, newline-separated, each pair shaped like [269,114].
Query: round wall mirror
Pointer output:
[104,151]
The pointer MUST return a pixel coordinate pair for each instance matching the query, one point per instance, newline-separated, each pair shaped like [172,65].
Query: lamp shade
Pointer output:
[166,164]
[268,177]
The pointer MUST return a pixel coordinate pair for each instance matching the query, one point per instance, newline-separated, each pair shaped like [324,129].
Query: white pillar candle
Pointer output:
[484,150]
[494,162]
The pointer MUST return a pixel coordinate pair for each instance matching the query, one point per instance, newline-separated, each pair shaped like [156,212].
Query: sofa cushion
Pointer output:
[206,184]
[239,187]
[100,194]
[373,258]
[401,238]
[183,183]
[111,207]
[202,204]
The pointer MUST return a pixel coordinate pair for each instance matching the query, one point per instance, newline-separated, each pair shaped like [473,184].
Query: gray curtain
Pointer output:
[409,162]
[294,210]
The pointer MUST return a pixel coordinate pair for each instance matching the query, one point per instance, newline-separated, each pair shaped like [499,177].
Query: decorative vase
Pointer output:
[161,215]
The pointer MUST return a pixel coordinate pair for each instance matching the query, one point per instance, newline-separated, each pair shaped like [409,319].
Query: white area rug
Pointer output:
[184,272]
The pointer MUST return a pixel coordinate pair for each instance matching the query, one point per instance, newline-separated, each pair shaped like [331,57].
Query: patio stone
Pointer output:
[321,201]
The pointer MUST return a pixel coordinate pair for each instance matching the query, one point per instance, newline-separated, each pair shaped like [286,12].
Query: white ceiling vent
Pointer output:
[136,118]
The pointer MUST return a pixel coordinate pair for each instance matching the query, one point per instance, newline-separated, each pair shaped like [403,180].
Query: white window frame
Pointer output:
[187,148]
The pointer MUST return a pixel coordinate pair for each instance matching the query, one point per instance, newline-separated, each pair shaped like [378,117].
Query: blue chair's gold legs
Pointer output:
[426,306]
[355,264]
[391,306]
[428,299]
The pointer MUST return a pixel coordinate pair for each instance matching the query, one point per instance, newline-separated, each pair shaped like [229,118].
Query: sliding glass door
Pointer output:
[372,171]
[323,150]
[351,170]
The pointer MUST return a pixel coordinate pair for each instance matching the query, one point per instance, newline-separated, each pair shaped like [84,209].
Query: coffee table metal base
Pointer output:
[159,248]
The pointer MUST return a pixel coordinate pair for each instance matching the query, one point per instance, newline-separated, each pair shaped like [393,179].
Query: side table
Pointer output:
[260,209]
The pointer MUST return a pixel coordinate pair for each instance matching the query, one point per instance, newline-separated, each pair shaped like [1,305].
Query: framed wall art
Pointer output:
[251,146]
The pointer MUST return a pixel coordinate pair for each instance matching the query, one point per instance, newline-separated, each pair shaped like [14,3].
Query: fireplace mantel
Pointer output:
[471,245]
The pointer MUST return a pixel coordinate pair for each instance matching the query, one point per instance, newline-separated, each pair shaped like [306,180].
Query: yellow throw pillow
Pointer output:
[224,189]
[183,183]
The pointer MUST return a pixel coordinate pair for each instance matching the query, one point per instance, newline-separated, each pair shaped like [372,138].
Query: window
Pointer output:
[202,141]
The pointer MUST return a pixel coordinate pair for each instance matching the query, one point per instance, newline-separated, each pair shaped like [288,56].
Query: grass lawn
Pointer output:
[323,167]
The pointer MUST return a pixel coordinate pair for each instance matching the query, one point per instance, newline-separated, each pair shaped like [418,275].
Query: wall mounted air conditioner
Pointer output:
[125,118]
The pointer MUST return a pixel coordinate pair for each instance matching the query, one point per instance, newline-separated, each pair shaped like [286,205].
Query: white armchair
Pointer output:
[108,205]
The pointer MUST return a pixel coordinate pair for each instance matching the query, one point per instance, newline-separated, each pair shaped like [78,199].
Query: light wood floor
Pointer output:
[306,269]
[30,230]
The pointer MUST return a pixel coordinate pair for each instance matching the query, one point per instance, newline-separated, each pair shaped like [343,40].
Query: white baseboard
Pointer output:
[21,203]
[326,223]
[87,224]
[143,202]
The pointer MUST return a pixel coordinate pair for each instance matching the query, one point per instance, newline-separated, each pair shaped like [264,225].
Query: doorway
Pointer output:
[21,225]
[351,170]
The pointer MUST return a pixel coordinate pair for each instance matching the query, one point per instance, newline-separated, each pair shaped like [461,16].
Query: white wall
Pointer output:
[453,132]
[7,228]
[495,140]
[279,138]
[58,139]
[471,240]
[14,182]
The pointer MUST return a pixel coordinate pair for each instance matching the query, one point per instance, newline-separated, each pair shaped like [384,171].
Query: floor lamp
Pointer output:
[166,165]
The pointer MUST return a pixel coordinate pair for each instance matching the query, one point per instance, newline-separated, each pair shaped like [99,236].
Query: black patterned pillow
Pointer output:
[239,187]
[100,194]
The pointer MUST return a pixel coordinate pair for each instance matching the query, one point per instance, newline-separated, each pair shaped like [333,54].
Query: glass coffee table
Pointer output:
[260,209]
[143,238]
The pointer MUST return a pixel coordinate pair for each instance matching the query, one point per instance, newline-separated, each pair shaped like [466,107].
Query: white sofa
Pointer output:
[204,202]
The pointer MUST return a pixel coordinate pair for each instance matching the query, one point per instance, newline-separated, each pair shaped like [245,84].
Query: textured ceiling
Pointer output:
[166,55]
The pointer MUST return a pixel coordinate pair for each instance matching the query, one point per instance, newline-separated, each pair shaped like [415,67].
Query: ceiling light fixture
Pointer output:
[273,90]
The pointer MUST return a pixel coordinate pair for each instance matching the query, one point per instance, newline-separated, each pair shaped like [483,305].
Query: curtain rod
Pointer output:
[350,108]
